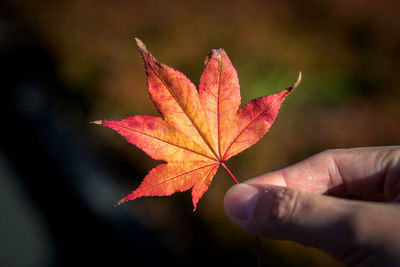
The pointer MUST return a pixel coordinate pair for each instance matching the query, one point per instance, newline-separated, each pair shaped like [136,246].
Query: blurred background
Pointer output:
[66,63]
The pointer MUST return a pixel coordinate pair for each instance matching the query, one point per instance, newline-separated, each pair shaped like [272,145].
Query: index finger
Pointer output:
[356,171]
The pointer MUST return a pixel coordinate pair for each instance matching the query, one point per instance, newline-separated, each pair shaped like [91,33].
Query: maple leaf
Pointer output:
[199,129]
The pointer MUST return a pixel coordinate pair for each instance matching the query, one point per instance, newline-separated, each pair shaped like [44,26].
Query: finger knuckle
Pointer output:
[287,205]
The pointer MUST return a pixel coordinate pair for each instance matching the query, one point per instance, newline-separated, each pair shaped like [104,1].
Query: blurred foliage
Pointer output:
[348,51]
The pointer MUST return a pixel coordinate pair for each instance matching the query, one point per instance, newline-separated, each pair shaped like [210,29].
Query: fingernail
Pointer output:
[240,201]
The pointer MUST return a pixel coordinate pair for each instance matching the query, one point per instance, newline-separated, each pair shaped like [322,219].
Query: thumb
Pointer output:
[290,214]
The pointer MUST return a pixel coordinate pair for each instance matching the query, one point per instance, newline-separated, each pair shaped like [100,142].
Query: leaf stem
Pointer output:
[258,251]
[231,174]
[257,238]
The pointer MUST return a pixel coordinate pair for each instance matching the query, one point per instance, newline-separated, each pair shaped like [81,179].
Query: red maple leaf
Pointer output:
[199,129]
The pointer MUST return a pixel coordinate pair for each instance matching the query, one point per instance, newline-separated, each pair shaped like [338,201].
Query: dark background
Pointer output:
[66,63]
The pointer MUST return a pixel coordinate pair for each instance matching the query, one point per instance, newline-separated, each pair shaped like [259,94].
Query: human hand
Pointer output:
[301,203]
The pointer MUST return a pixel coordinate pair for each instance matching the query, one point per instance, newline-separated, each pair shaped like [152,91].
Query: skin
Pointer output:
[345,202]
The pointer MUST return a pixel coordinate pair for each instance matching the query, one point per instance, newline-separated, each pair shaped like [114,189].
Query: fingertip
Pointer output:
[240,200]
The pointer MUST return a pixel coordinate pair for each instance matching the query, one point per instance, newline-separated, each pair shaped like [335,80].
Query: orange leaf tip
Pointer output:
[140,44]
[119,203]
[99,122]
[291,88]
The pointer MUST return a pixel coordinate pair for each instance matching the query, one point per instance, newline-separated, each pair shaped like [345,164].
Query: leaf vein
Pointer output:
[244,129]
[175,177]
[170,143]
